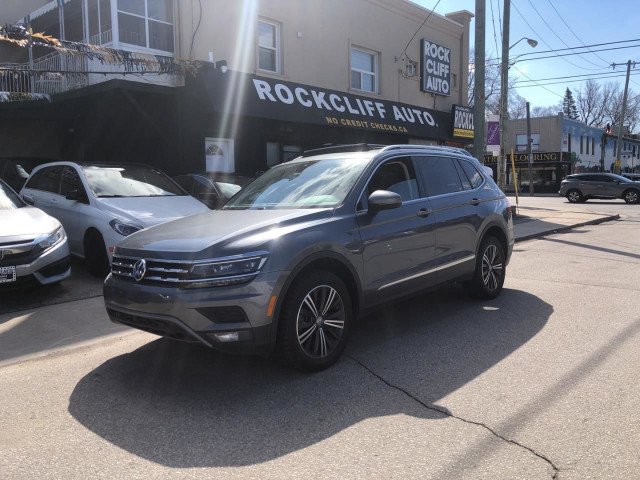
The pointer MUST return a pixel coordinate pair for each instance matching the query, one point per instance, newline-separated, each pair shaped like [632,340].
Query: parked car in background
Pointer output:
[608,186]
[15,171]
[33,245]
[100,204]
[295,256]
[212,189]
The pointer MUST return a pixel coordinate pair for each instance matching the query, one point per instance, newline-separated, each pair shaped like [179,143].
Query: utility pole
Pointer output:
[622,114]
[504,95]
[529,155]
[478,76]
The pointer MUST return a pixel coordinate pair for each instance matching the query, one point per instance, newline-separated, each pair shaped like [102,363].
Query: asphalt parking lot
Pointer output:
[540,383]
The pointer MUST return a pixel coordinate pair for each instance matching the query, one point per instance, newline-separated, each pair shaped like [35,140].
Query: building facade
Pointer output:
[278,77]
[561,146]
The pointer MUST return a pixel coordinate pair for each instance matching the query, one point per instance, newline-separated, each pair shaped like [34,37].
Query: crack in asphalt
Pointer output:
[447,413]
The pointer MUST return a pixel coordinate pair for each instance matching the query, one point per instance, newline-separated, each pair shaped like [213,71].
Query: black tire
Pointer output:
[95,254]
[306,340]
[631,196]
[575,196]
[488,277]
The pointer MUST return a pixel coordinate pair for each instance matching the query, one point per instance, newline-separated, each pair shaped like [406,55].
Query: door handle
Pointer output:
[28,199]
[475,201]
[423,212]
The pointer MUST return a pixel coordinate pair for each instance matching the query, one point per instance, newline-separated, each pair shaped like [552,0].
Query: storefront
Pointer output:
[248,123]
[548,170]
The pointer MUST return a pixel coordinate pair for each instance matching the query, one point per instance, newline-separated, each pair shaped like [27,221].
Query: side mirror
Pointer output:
[383,200]
[73,195]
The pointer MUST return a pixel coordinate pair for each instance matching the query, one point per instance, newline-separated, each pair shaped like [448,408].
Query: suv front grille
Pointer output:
[163,272]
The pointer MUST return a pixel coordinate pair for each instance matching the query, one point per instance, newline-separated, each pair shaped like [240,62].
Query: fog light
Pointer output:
[227,337]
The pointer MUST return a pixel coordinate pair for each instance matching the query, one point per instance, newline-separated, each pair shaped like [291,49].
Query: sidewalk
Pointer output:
[532,222]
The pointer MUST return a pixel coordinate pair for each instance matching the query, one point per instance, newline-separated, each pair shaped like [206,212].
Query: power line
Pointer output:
[574,81]
[543,41]
[574,33]
[571,48]
[493,24]
[414,35]
[573,76]
[558,36]
[541,86]
[569,54]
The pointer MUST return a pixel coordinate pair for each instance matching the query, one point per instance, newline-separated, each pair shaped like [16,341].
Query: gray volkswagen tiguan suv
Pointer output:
[581,187]
[292,259]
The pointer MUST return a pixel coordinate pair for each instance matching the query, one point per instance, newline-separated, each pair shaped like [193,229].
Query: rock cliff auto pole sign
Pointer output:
[435,68]
[462,121]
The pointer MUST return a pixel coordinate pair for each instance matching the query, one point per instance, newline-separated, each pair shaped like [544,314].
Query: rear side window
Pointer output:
[474,176]
[439,175]
[47,179]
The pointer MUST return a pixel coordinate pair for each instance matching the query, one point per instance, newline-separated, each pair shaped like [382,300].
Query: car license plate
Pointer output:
[7,274]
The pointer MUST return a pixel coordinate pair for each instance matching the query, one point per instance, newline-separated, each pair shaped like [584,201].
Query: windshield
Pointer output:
[302,184]
[131,181]
[9,200]
[228,189]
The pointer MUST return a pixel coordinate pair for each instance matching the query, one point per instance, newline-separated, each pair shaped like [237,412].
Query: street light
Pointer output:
[504,85]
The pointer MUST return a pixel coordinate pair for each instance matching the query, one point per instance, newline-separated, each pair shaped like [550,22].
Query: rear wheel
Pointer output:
[631,196]
[575,196]
[95,254]
[488,277]
[315,321]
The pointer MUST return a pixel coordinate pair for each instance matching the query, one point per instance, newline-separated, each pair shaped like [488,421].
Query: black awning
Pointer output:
[236,93]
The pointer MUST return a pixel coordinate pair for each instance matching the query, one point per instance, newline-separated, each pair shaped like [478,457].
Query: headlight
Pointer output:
[228,272]
[125,229]
[53,239]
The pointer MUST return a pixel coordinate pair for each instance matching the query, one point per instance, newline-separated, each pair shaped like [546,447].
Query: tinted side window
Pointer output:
[602,178]
[185,181]
[588,178]
[47,179]
[203,186]
[439,175]
[71,181]
[396,175]
[472,173]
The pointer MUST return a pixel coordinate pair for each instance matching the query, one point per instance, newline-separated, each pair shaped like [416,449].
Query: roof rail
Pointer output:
[355,147]
[436,148]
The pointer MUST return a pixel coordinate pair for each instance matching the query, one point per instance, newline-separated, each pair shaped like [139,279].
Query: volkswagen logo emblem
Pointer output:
[139,269]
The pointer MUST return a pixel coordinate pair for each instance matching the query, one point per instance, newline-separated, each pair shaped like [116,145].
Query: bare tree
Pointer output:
[517,106]
[613,108]
[491,81]
[547,111]
[593,101]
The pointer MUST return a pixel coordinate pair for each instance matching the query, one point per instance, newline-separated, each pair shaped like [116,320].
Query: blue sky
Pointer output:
[593,22]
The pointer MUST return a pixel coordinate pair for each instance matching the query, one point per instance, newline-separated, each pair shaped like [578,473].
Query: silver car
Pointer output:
[295,256]
[607,186]
[33,245]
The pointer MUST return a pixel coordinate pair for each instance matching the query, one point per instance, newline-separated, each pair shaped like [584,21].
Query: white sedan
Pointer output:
[99,205]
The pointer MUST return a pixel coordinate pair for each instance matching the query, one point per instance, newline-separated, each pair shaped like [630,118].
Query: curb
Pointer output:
[566,228]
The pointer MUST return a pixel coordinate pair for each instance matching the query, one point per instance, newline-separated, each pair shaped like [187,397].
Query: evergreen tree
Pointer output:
[569,107]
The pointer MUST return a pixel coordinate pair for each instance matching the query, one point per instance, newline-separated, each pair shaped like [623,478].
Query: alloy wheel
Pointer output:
[631,197]
[574,196]
[320,321]
[492,268]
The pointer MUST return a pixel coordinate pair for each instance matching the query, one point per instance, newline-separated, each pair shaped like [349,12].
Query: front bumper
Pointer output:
[52,266]
[201,315]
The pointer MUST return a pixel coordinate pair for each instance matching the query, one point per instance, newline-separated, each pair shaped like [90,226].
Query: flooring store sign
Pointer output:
[436,68]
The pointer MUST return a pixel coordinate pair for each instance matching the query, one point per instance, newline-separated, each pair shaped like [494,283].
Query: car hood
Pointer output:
[219,232]
[149,211]
[25,223]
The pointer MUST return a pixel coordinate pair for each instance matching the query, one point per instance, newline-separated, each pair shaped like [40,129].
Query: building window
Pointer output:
[454,80]
[587,146]
[146,23]
[268,46]
[364,70]
[521,142]
[593,145]
[581,144]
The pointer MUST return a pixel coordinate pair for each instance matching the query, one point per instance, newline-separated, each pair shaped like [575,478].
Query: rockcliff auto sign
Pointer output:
[435,67]
[246,94]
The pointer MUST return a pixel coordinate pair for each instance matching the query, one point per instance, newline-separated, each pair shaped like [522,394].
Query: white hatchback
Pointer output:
[100,204]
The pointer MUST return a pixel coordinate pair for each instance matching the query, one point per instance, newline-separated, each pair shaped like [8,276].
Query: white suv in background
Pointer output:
[100,204]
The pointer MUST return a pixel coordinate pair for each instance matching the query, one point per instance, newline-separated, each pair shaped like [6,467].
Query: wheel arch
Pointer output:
[326,260]
[495,230]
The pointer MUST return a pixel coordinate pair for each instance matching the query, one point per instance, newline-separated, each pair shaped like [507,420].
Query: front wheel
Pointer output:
[574,196]
[315,321]
[488,277]
[631,196]
[95,254]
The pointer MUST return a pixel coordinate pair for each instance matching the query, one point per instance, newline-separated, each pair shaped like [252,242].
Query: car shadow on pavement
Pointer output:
[182,405]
